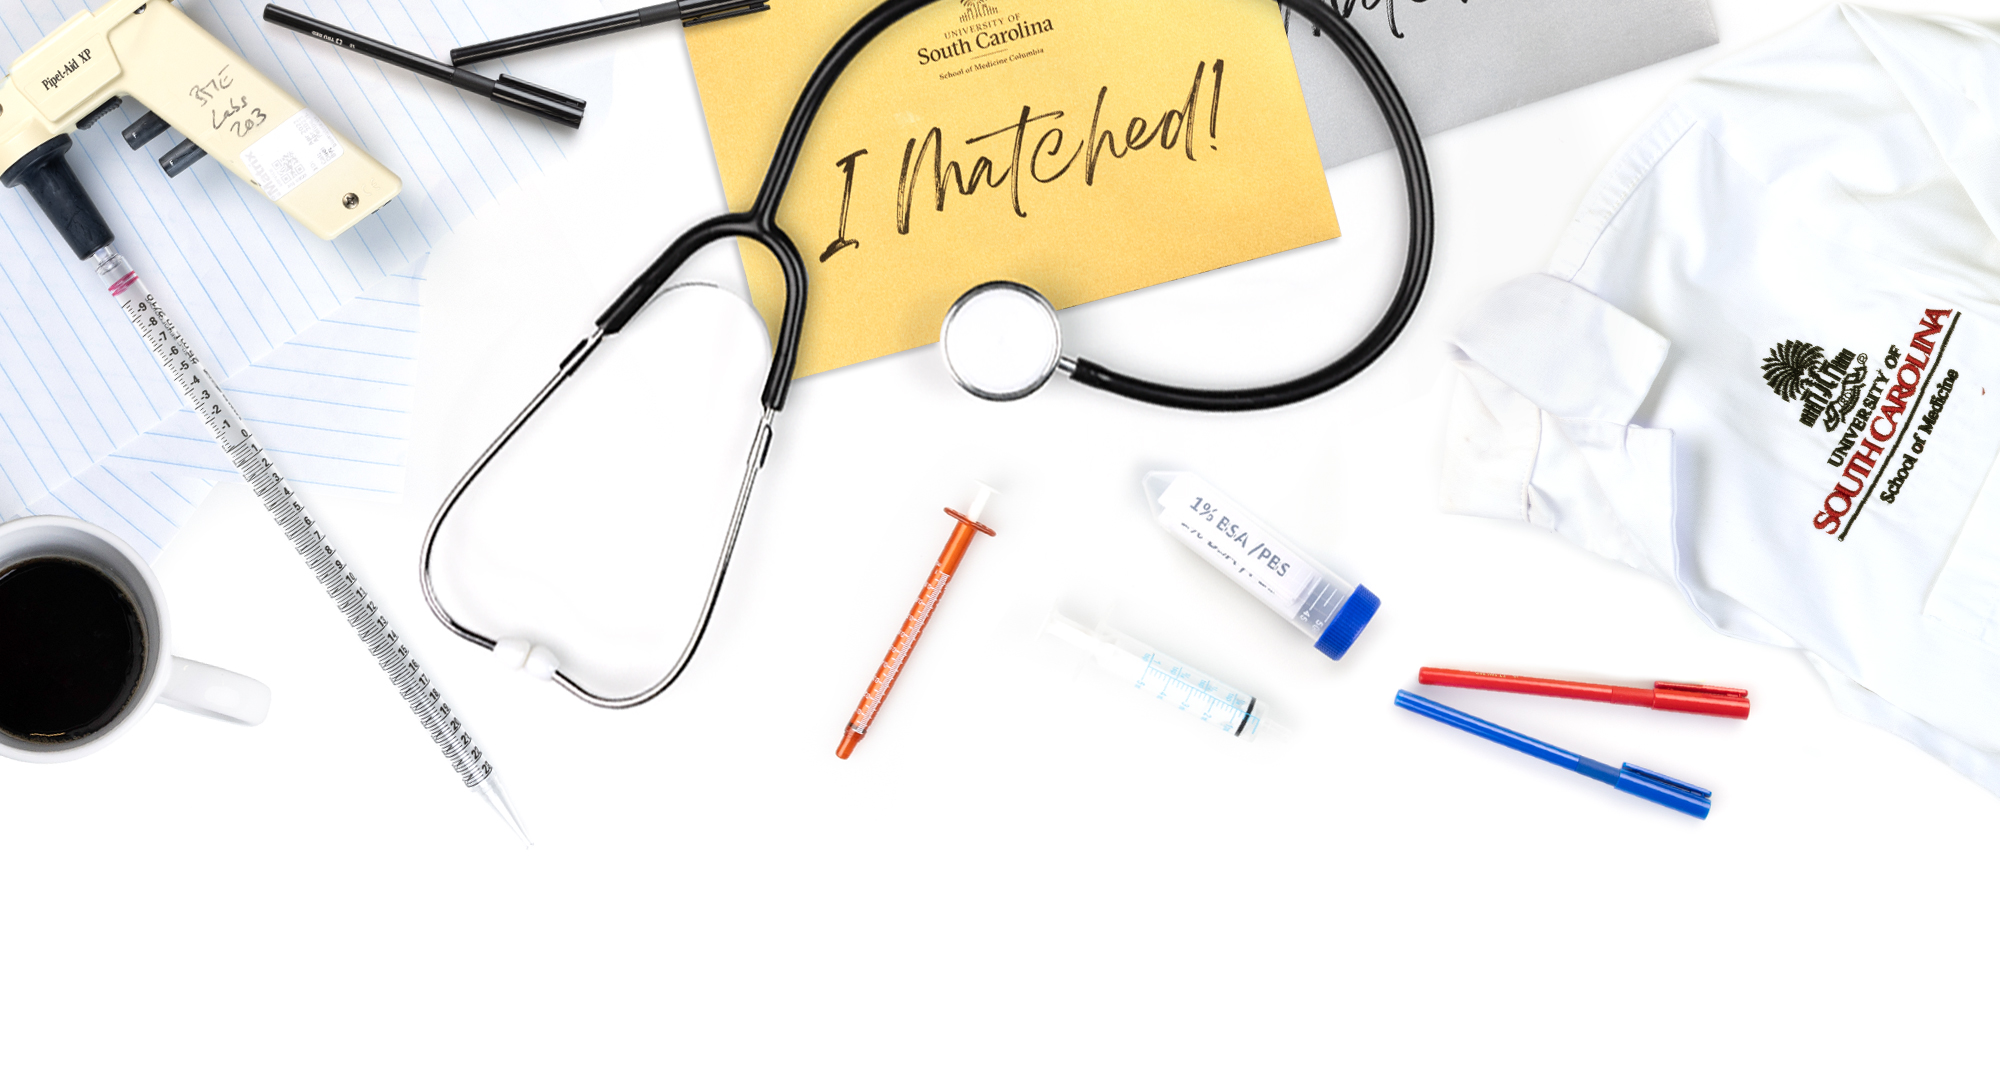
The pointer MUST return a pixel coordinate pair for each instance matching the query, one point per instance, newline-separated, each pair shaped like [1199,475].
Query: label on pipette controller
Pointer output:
[291,154]
[1235,543]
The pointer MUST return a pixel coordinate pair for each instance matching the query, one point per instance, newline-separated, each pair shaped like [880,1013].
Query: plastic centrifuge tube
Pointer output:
[1321,604]
[1162,678]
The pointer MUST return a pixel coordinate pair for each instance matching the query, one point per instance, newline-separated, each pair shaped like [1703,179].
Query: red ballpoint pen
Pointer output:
[1677,697]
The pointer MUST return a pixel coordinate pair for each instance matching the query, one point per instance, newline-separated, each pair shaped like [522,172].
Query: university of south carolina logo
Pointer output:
[983,29]
[1829,386]
[1883,416]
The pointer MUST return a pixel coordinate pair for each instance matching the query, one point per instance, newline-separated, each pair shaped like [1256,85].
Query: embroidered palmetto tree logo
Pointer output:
[1788,365]
[1828,387]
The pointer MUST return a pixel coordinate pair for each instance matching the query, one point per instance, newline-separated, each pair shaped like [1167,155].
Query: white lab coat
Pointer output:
[1765,365]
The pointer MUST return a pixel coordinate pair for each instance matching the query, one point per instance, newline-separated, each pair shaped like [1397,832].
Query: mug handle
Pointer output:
[215,692]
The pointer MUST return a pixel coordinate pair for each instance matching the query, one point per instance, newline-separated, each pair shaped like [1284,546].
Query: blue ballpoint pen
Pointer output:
[1643,783]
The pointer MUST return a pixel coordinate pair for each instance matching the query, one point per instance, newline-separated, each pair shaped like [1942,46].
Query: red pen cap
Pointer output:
[1701,698]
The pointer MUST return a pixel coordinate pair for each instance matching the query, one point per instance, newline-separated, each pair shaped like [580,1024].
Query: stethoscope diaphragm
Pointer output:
[1001,341]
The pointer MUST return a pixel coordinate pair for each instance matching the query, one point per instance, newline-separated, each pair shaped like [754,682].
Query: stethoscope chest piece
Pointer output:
[1001,341]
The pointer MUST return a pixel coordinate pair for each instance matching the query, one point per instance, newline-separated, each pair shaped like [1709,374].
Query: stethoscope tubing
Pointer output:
[759,224]
[1402,305]
[760,449]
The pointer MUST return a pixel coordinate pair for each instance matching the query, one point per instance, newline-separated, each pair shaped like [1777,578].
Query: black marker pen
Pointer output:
[506,90]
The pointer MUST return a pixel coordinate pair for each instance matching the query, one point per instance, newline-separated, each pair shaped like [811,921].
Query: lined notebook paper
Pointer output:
[331,407]
[314,340]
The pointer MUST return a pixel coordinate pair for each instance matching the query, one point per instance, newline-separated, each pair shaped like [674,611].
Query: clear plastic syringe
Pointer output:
[204,395]
[1162,678]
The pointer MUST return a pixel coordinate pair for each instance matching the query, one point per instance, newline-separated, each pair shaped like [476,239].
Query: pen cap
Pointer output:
[1325,607]
[538,100]
[1664,790]
[1700,698]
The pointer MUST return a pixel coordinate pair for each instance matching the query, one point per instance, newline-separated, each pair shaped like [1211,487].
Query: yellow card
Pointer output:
[1080,147]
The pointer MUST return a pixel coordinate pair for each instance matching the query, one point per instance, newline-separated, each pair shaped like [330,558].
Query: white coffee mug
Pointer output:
[165,679]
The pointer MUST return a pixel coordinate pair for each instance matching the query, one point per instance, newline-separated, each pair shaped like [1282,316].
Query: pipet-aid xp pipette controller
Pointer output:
[193,84]
[168,63]
[1321,604]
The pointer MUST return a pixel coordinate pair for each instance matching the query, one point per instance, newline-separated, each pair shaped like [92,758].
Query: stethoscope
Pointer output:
[1001,340]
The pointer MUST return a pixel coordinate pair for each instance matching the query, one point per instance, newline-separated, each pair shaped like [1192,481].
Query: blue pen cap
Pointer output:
[1664,790]
[1348,622]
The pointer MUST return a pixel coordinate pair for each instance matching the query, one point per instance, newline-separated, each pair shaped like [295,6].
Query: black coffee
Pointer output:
[71,650]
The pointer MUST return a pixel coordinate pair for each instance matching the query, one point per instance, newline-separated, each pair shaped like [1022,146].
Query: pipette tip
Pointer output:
[848,741]
[497,799]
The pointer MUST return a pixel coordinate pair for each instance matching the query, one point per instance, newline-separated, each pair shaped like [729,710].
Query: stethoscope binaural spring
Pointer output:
[998,378]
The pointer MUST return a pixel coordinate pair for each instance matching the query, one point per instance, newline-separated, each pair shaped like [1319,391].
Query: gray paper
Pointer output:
[1456,61]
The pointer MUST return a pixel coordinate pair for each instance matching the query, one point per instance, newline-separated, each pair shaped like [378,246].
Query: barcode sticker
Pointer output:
[291,154]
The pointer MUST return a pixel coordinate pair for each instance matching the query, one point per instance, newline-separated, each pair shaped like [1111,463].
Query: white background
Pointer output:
[1024,871]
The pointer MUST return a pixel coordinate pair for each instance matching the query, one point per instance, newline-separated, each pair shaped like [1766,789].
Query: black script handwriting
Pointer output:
[249,123]
[203,93]
[1214,106]
[1345,8]
[840,240]
[1175,131]
[217,119]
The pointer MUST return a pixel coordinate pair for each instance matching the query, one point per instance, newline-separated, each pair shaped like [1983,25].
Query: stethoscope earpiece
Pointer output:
[1001,341]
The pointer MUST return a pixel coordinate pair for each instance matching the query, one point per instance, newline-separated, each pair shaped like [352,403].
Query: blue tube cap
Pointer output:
[1348,623]
[1663,790]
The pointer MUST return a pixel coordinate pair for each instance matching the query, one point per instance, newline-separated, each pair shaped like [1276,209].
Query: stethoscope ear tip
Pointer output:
[521,655]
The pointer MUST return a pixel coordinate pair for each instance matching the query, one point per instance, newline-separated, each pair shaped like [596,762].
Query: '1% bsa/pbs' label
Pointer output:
[1236,543]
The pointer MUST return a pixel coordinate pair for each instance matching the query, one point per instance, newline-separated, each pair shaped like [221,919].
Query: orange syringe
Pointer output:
[920,616]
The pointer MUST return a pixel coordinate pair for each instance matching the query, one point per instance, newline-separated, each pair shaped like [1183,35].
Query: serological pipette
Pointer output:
[204,395]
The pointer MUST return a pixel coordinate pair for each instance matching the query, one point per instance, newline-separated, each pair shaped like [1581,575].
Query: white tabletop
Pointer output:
[1023,871]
